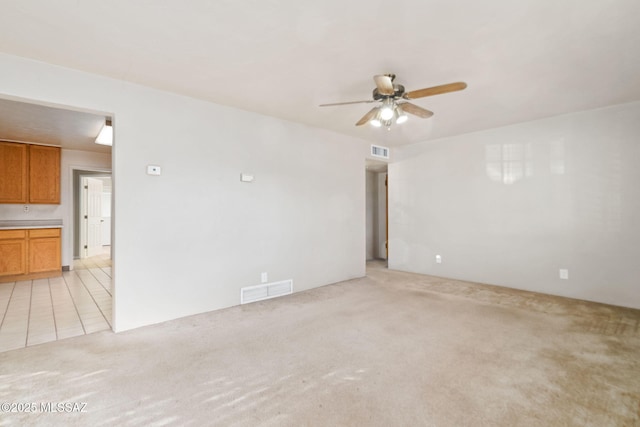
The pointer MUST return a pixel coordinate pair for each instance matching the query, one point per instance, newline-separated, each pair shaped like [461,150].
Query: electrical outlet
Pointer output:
[564,274]
[264,277]
[25,209]
[438,259]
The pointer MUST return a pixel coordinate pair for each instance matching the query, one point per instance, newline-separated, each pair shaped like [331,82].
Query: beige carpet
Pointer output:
[392,349]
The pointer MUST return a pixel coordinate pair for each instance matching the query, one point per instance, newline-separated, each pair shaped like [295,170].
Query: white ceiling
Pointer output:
[522,60]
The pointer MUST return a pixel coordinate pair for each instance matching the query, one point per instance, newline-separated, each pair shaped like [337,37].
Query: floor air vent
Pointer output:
[265,291]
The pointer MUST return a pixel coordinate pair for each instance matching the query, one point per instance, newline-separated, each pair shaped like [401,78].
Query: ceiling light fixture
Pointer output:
[105,137]
[386,111]
[389,113]
[375,122]
[401,117]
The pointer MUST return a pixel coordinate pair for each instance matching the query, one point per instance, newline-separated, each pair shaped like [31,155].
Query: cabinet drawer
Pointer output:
[44,232]
[12,234]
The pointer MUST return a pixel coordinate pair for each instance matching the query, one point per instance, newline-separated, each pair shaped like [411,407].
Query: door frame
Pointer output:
[386,216]
[84,243]
[76,202]
[379,167]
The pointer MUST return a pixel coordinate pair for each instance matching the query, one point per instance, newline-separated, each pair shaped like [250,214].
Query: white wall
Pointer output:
[188,240]
[511,206]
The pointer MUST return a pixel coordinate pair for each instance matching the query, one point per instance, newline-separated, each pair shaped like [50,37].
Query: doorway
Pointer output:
[74,130]
[377,234]
[93,193]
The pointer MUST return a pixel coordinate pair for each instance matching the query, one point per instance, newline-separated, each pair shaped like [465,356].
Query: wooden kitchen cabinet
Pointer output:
[13,252]
[13,172]
[44,175]
[29,174]
[44,250]
[30,254]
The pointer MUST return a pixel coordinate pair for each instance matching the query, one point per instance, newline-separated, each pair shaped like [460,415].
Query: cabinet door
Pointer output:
[13,256]
[44,255]
[44,174]
[13,172]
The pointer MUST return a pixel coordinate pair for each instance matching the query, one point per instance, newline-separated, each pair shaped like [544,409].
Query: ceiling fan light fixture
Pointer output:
[401,116]
[386,111]
[376,120]
[393,109]
[105,137]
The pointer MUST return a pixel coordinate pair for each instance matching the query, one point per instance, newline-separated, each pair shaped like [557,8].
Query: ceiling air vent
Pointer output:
[378,151]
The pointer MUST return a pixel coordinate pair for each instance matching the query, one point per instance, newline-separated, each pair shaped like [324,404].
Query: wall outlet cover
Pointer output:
[154,170]
[564,274]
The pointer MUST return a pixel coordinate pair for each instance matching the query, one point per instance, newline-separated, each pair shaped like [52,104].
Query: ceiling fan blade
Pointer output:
[435,90]
[415,110]
[347,103]
[371,114]
[384,84]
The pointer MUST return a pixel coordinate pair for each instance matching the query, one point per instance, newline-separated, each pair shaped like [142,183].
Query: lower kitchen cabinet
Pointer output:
[44,250]
[13,252]
[29,254]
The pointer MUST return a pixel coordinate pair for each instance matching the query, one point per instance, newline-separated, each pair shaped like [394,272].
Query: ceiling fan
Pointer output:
[393,96]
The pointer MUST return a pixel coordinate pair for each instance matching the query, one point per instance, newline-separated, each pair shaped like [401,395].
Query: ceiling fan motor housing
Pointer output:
[398,91]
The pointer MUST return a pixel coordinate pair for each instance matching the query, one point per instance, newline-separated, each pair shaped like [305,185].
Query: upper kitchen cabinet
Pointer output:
[44,174]
[14,162]
[29,174]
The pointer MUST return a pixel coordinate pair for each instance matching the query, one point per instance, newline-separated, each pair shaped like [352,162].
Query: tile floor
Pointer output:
[76,303]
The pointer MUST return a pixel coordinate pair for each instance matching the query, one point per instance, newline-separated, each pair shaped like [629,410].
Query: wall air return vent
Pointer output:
[378,151]
[265,291]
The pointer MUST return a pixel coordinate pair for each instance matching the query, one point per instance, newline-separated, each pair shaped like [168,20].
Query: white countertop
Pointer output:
[33,223]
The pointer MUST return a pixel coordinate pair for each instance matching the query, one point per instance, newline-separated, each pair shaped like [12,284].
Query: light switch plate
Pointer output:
[154,170]
[245,177]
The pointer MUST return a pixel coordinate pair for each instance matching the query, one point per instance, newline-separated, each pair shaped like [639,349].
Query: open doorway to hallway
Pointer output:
[92,235]
[92,207]
[376,211]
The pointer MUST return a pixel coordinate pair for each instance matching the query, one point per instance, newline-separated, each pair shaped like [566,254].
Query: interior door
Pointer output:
[93,216]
